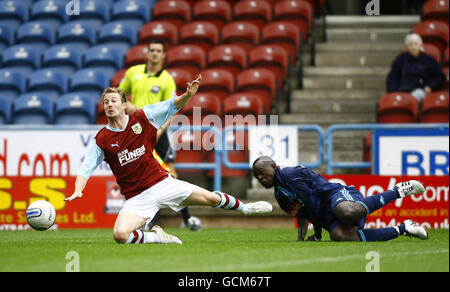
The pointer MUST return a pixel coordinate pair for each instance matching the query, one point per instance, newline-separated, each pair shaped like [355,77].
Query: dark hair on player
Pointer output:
[115,90]
[263,159]
[158,41]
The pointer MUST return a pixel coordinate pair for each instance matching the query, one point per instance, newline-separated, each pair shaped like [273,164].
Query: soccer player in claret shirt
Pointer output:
[126,144]
[341,210]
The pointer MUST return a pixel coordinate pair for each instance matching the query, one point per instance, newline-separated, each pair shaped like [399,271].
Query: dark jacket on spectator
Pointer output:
[408,73]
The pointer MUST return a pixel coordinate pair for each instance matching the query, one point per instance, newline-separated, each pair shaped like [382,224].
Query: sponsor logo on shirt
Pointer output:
[126,156]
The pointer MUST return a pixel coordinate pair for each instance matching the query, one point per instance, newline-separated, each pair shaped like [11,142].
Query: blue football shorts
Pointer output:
[346,193]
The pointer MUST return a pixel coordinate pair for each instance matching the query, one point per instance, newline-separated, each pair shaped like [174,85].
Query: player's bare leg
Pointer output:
[125,224]
[126,231]
[202,197]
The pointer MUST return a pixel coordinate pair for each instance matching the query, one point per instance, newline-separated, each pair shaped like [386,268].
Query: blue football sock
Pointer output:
[375,202]
[382,234]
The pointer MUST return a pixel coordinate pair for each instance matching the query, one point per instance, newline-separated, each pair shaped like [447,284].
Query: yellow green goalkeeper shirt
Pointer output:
[147,88]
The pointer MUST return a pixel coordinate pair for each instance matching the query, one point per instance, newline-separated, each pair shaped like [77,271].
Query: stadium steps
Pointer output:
[348,78]
[345,84]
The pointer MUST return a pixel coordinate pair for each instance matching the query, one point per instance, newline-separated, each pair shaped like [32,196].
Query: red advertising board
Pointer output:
[429,209]
[91,211]
[101,200]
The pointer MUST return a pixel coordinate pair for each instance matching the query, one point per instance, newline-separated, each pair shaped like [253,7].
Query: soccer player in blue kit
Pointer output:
[339,209]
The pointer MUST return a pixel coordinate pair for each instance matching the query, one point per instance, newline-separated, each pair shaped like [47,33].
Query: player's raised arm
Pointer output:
[182,100]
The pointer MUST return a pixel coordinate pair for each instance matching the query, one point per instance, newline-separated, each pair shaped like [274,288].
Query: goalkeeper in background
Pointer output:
[148,84]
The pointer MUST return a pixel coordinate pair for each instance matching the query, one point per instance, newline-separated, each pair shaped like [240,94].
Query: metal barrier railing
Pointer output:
[221,152]
[216,165]
[315,128]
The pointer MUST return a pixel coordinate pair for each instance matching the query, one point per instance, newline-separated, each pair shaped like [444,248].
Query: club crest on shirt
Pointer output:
[137,129]
[155,89]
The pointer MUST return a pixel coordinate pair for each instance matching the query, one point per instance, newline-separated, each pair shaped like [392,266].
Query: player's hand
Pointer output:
[193,86]
[313,238]
[74,196]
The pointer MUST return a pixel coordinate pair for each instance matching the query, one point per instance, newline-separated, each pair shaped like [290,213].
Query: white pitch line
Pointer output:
[255,266]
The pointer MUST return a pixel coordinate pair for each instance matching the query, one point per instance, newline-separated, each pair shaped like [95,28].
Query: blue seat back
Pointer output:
[5,110]
[13,13]
[24,57]
[33,109]
[63,56]
[48,79]
[77,32]
[11,79]
[36,33]
[88,79]
[50,10]
[131,11]
[74,108]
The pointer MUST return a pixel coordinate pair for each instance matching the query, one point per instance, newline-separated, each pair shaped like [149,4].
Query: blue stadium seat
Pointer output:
[75,109]
[119,34]
[22,57]
[52,11]
[12,83]
[38,34]
[26,2]
[63,57]
[105,57]
[77,33]
[6,37]
[13,13]
[89,81]
[132,12]
[94,12]
[51,82]
[5,109]
[33,109]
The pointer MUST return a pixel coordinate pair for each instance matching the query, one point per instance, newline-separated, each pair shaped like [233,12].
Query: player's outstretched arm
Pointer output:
[182,100]
[80,183]
[317,233]
[302,228]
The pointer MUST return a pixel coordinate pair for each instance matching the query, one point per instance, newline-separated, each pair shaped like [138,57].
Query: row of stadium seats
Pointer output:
[40,64]
[402,107]
[76,108]
[436,9]
[80,35]
[51,82]
[42,27]
[255,90]
[54,12]
[142,11]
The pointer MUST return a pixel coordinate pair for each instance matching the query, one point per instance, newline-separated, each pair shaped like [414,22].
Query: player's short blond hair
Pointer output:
[115,90]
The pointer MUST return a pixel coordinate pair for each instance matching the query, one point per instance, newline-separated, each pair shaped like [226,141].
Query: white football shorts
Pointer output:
[168,193]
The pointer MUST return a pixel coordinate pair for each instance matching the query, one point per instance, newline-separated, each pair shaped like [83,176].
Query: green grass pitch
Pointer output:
[219,250]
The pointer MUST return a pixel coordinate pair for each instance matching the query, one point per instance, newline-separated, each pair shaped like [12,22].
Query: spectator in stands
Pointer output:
[414,71]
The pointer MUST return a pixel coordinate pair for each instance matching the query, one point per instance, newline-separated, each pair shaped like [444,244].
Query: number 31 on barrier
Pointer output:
[278,142]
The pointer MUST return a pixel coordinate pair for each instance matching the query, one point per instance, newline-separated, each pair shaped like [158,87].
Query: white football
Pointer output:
[41,215]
